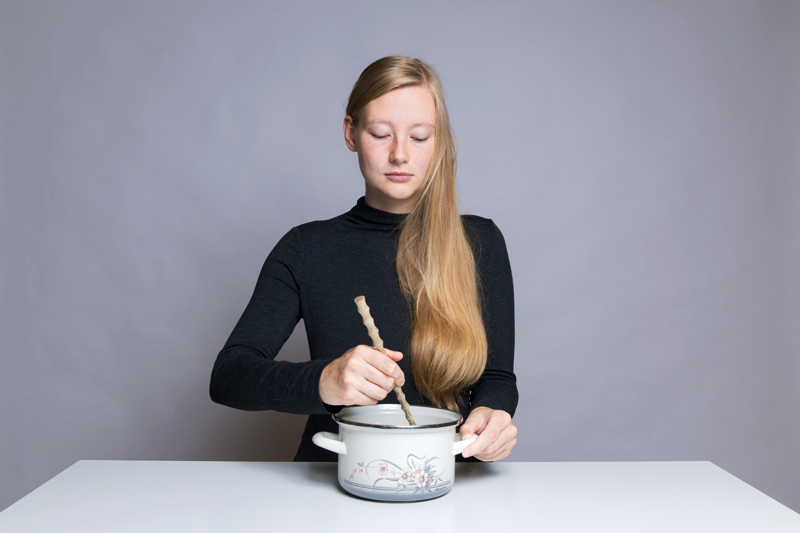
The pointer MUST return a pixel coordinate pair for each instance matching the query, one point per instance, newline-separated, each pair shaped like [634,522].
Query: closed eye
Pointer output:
[419,139]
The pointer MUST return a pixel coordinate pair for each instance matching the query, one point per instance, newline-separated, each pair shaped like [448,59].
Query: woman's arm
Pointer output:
[246,375]
[494,397]
[497,386]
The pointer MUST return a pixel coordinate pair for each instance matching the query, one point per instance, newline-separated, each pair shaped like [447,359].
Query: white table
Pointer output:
[122,496]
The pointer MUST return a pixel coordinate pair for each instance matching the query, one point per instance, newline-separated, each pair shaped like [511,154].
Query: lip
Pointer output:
[398,176]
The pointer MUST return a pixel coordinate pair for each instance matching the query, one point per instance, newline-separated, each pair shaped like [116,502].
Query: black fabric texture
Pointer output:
[314,273]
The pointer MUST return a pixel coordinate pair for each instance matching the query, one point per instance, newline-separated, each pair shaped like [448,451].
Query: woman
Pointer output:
[438,284]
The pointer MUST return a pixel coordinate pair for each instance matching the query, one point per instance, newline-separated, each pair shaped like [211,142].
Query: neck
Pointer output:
[398,207]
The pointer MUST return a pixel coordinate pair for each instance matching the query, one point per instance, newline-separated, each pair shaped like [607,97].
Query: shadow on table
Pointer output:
[474,472]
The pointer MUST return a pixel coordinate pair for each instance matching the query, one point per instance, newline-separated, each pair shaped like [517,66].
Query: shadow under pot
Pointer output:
[382,458]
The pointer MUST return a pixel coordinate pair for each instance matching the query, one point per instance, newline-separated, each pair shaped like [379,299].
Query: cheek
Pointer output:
[367,152]
[368,161]
[426,158]
[365,160]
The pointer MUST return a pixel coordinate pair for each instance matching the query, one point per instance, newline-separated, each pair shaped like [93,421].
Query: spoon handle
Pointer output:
[377,343]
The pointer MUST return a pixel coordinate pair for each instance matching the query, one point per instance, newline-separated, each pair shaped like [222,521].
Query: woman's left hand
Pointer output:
[496,434]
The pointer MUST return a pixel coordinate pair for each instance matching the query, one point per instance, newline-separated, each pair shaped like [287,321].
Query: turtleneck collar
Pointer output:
[364,214]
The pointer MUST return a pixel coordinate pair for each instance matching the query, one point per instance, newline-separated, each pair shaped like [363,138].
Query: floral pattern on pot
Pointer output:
[420,474]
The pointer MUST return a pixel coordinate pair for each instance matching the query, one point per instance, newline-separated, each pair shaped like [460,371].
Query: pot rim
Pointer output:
[394,407]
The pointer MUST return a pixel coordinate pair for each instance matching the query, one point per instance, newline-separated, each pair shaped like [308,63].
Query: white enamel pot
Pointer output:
[382,458]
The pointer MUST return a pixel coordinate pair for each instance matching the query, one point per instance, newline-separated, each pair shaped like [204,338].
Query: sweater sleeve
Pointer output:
[497,387]
[246,375]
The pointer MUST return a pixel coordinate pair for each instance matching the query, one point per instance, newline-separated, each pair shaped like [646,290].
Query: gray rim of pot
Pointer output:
[392,407]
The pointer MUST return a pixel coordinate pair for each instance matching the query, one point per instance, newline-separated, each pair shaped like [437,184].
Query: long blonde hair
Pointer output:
[435,263]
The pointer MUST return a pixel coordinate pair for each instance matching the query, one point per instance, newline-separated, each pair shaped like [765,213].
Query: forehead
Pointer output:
[406,106]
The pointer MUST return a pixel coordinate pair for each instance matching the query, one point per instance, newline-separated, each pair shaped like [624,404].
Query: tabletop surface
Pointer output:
[238,496]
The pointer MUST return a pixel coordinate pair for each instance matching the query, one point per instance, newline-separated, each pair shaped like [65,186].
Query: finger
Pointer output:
[502,447]
[374,392]
[353,389]
[361,375]
[477,447]
[386,365]
[372,365]
[359,398]
[498,447]
[475,423]
[356,378]
[394,356]
[378,378]
[494,423]
[501,453]
[398,375]
[360,388]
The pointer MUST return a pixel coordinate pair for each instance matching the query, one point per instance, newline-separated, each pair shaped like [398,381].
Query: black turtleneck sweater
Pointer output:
[314,273]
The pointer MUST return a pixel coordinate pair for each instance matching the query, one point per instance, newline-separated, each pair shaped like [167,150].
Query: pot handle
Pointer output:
[459,445]
[330,441]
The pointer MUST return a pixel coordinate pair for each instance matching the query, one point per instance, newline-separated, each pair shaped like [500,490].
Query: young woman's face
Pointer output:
[394,141]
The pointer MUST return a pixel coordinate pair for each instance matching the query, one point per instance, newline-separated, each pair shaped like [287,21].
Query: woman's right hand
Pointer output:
[362,376]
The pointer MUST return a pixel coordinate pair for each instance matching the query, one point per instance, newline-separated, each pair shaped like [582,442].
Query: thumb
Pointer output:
[467,431]
[475,423]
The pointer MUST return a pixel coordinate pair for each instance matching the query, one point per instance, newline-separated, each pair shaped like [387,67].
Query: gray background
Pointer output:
[640,157]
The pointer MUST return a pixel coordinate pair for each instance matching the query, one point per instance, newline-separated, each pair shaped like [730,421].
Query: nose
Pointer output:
[399,153]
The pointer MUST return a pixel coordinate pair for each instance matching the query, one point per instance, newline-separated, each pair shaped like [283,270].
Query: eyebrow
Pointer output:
[425,124]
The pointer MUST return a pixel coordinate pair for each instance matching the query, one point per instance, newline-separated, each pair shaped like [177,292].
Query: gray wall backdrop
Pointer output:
[640,157]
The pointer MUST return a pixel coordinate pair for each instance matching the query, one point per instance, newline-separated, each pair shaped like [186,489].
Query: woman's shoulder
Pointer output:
[305,236]
[485,238]
[318,228]
[477,221]
[481,227]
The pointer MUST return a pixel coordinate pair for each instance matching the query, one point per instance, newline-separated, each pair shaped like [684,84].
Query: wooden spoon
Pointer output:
[377,343]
